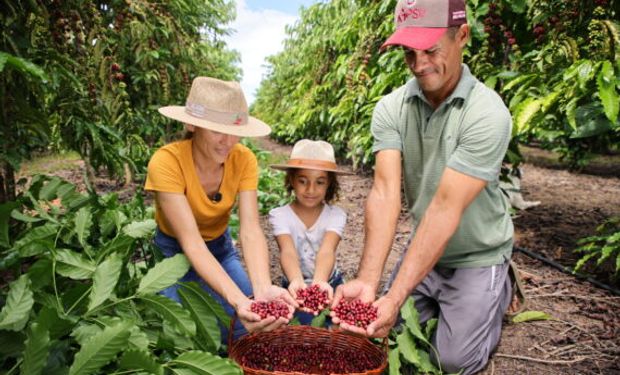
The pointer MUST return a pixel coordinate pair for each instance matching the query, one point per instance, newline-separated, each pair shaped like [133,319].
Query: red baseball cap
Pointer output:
[421,23]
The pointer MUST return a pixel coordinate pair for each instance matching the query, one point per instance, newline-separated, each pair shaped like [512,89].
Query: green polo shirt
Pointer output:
[469,133]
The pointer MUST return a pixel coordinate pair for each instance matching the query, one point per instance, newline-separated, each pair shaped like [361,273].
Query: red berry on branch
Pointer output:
[119,76]
[115,67]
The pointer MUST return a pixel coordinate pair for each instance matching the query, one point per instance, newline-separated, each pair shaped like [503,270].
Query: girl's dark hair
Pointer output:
[333,189]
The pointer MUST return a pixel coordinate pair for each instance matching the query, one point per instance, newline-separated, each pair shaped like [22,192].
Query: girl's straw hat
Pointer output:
[219,106]
[307,154]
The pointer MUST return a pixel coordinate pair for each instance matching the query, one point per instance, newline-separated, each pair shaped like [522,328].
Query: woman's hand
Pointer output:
[251,320]
[272,292]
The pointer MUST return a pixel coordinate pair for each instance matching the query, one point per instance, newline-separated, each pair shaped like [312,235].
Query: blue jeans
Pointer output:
[306,318]
[227,255]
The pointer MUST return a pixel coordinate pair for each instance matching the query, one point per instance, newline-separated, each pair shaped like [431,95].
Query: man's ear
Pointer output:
[189,128]
[462,36]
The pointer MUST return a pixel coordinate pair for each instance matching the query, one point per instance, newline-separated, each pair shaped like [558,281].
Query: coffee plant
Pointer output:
[89,77]
[555,62]
[79,290]
[602,247]
[410,344]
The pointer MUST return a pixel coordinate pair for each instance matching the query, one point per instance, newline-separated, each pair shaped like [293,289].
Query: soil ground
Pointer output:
[584,335]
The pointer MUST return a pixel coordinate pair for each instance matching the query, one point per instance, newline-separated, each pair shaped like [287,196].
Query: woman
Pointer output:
[196,183]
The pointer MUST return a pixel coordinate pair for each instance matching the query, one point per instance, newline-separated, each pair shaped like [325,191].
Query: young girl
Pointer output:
[309,229]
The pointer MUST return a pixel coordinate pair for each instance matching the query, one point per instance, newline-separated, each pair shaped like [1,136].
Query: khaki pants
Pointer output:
[469,304]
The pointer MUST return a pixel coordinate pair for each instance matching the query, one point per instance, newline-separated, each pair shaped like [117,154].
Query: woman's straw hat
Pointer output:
[219,106]
[307,154]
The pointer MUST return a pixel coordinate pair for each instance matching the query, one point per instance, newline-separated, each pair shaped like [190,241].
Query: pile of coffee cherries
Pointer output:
[313,298]
[272,308]
[308,358]
[356,312]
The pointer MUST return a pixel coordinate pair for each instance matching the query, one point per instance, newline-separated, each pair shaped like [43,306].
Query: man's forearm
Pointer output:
[428,245]
[381,217]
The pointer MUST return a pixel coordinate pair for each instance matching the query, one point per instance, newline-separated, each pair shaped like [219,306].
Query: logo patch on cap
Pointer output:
[414,13]
[459,15]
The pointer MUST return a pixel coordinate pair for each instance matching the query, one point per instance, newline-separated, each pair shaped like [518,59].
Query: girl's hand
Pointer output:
[294,286]
[324,285]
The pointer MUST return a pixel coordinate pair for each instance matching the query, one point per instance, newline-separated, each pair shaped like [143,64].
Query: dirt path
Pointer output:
[584,336]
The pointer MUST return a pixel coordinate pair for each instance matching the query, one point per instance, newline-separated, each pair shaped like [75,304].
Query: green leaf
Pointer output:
[5,216]
[200,309]
[22,65]
[407,346]
[50,189]
[37,348]
[412,320]
[171,311]
[100,349]
[12,343]
[319,320]
[431,324]
[607,82]
[74,265]
[30,244]
[40,273]
[16,311]
[591,120]
[518,6]
[164,274]
[83,222]
[394,361]
[606,252]
[214,307]
[206,364]
[140,360]
[140,229]
[531,315]
[525,112]
[426,365]
[104,280]
[138,339]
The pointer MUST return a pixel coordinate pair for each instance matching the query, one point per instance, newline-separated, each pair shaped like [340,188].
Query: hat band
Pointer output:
[225,118]
[322,164]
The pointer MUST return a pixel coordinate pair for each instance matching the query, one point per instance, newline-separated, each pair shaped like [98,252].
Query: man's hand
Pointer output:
[353,290]
[387,313]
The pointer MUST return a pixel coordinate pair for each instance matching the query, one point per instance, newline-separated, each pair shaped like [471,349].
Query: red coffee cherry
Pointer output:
[272,308]
[313,298]
[356,313]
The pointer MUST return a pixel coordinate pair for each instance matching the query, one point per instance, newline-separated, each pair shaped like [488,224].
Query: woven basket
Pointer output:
[291,335]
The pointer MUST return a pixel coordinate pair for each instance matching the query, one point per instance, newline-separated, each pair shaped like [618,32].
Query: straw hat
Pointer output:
[219,106]
[307,154]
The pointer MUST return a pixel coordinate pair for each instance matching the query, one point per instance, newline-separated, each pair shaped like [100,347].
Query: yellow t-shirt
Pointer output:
[171,170]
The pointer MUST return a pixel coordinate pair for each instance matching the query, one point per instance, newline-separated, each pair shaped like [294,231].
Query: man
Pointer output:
[447,134]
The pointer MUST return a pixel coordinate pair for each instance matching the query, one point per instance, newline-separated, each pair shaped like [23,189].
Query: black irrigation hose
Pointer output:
[567,270]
